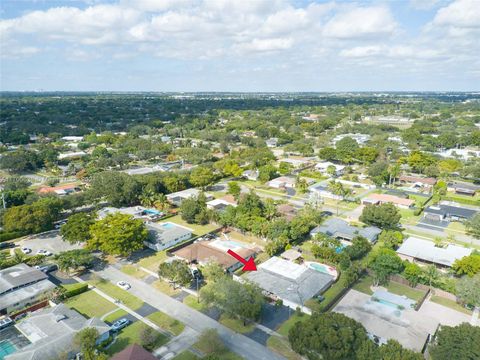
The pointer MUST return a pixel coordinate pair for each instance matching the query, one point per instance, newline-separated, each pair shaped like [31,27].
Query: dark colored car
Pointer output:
[7,245]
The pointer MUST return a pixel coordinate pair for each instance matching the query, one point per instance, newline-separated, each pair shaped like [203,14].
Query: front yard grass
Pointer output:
[166,322]
[134,271]
[236,324]
[287,325]
[114,291]
[450,304]
[119,313]
[131,335]
[152,262]
[197,229]
[90,304]
[166,288]
[192,301]
[186,355]
[226,355]
[400,289]
[282,347]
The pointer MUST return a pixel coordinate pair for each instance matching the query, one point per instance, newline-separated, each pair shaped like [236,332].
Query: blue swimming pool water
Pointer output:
[319,268]
[152,211]
[339,249]
[6,348]
[167,226]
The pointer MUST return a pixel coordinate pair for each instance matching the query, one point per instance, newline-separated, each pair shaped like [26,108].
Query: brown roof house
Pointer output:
[134,352]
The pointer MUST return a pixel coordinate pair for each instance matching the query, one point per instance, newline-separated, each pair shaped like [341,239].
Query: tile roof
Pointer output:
[134,352]
[385,198]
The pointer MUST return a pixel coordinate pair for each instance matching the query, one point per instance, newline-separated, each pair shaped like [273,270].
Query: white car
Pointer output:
[44,252]
[124,285]
[26,250]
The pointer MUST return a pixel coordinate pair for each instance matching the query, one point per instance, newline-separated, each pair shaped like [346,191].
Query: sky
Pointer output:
[239,45]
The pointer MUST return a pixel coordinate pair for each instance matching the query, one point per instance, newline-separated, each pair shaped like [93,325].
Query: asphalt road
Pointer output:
[199,322]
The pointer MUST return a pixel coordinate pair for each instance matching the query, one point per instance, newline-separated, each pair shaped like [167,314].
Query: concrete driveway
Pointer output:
[51,241]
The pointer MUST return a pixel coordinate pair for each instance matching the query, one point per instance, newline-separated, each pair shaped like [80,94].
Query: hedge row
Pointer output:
[462,200]
[74,289]
[5,236]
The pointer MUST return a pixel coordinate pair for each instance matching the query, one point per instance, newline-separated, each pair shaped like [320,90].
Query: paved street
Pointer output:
[50,240]
[238,343]
[178,344]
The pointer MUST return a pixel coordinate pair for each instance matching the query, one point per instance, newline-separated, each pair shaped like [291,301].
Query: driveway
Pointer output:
[51,241]
[449,316]
[199,322]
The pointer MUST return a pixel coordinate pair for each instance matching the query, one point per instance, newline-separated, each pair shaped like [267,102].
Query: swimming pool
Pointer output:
[167,225]
[152,211]
[226,245]
[326,269]
[340,248]
[6,348]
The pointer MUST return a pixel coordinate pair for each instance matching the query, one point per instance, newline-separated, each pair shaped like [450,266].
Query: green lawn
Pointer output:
[282,347]
[134,271]
[90,304]
[197,229]
[152,262]
[131,335]
[166,288]
[245,238]
[408,217]
[186,355]
[236,324]
[287,325]
[114,291]
[329,296]
[450,304]
[192,301]
[363,285]
[400,289]
[119,313]
[227,355]
[166,322]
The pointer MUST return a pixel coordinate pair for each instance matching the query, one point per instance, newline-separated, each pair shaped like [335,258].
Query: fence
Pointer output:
[32,308]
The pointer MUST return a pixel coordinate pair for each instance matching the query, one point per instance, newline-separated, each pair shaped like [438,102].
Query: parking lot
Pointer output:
[51,241]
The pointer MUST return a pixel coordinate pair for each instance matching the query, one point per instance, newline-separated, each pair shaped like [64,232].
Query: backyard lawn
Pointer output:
[245,238]
[131,335]
[114,291]
[152,262]
[363,285]
[90,304]
[450,304]
[197,229]
[166,322]
[400,289]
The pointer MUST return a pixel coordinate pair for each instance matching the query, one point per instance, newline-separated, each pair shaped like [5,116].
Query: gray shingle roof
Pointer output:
[335,227]
[19,275]
[448,210]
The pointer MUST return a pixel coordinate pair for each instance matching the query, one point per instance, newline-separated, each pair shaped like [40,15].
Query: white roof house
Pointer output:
[176,198]
[361,139]
[165,235]
[323,166]
[71,155]
[72,138]
[423,250]
[282,182]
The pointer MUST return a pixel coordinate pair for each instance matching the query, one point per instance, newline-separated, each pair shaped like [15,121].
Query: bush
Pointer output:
[74,289]
[418,211]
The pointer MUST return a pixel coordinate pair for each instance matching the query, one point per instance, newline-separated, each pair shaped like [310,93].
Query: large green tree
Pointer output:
[73,260]
[468,290]
[202,176]
[461,342]
[117,188]
[77,228]
[176,271]
[473,226]
[385,216]
[468,265]
[117,234]
[385,263]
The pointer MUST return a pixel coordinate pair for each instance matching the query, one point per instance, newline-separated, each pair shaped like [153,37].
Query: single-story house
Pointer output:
[133,352]
[361,139]
[51,332]
[417,250]
[282,182]
[176,198]
[378,199]
[443,212]
[203,252]
[272,142]
[71,155]
[221,203]
[72,138]
[165,235]
[60,190]
[342,230]
[250,175]
[138,212]
[296,162]
[463,188]
[323,166]
[319,191]
[291,255]
[22,286]
[294,284]
[417,181]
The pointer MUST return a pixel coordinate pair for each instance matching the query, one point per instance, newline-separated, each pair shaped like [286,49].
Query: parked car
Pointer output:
[119,324]
[5,322]
[26,250]
[124,285]
[47,268]
[7,245]
[44,252]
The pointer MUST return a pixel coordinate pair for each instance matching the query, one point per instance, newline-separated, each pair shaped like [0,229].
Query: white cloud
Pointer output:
[363,22]
[459,14]
[265,45]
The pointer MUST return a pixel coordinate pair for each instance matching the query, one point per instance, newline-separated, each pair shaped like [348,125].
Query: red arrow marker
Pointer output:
[248,265]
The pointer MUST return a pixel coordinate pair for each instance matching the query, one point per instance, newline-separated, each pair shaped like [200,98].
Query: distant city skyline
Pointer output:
[240,46]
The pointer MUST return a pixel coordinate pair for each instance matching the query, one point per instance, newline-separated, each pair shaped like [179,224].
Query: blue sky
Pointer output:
[244,45]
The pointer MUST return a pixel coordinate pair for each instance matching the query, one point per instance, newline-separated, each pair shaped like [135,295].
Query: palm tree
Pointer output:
[147,198]
[337,188]
[161,202]
[431,275]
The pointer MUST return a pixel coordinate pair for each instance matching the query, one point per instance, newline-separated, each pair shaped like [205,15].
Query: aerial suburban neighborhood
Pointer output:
[239,179]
